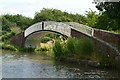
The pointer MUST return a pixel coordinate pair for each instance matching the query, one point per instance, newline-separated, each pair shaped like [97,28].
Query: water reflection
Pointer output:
[23,65]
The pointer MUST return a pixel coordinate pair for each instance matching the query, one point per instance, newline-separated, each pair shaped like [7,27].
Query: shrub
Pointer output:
[7,36]
[58,50]
[70,47]
[45,39]
[16,48]
[73,48]
[9,47]
[85,46]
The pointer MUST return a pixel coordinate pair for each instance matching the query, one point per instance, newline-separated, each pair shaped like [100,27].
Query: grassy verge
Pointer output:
[15,48]
[22,49]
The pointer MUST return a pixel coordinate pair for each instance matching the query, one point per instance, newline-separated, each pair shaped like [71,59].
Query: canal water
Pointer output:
[38,65]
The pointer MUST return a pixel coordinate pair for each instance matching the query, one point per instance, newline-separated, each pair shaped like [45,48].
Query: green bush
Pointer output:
[7,36]
[16,48]
[85,46]
[82,49]
[9,47]
[70,46]
[46,39]
[53,35]
[58,50]
[73,48]
[2,32]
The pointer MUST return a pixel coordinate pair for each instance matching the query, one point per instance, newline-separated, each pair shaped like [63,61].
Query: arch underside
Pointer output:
[33,40]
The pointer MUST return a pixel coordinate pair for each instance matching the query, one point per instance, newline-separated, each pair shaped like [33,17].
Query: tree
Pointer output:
[91,18]
[6,24]
[111,9]
[57,15]
[106,23]
[16,20]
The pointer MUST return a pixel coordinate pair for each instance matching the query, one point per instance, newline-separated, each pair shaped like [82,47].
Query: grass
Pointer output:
[22,49]
[15,48]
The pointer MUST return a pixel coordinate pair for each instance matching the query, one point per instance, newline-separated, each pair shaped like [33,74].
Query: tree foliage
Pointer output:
[112,10]
[20,21]
[106,23]
[108,20]
[57,15]
[6,24]
[91,18]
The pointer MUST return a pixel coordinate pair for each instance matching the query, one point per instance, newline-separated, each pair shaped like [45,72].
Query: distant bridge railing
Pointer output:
[82,28]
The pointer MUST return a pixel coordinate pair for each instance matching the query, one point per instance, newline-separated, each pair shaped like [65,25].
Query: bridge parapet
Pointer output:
[83,28]
[49,25]
[58,26]
[33,28]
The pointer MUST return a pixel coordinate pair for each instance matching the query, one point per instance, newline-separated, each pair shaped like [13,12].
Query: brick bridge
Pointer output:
[32,35]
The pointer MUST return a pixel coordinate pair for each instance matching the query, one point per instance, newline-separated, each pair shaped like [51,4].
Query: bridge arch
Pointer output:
[49,25]
[62,28]
[40,29]
[34,39]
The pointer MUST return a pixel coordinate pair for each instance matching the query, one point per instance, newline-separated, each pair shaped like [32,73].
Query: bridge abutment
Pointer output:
[18,40]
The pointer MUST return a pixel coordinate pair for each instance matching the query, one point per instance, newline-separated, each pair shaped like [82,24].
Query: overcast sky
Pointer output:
[29,7]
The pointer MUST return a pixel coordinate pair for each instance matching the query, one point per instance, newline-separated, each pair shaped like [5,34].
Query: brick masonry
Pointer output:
[107,36]
[18,40]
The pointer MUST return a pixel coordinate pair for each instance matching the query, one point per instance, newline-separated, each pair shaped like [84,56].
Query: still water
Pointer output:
[34,65]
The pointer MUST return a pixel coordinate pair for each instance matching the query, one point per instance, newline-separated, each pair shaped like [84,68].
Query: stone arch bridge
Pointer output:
[32,35]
